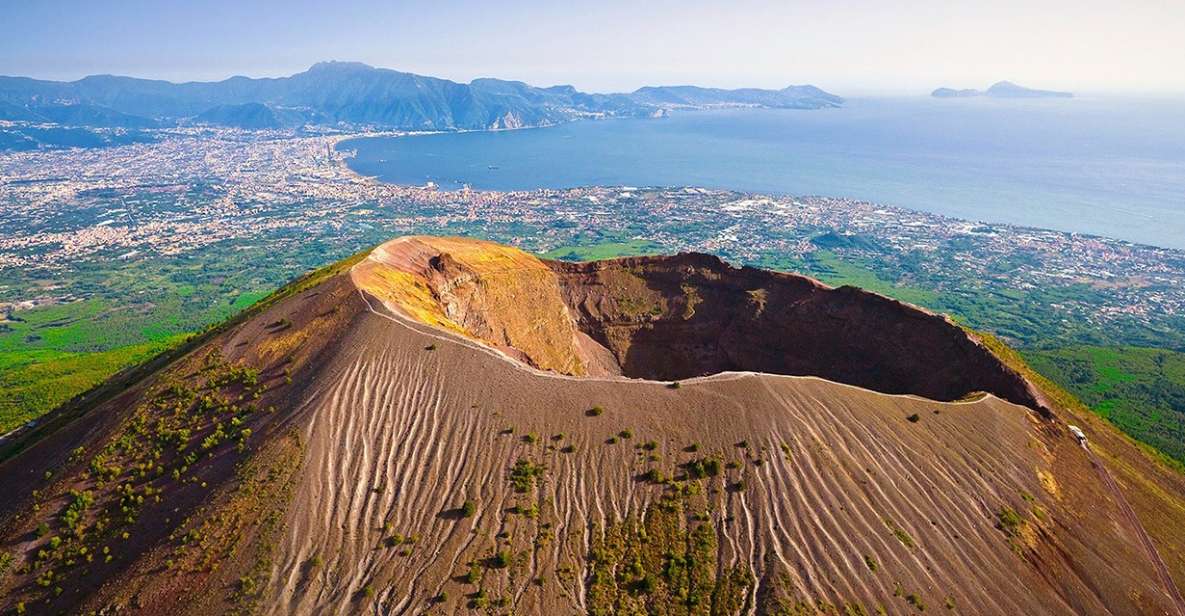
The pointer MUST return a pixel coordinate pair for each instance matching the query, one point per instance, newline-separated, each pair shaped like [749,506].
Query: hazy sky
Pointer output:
[849,47]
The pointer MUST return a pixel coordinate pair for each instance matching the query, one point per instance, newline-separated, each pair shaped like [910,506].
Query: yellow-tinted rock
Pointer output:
[497,294]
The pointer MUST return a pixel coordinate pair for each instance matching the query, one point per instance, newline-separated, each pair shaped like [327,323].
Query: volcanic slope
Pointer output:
[442,425]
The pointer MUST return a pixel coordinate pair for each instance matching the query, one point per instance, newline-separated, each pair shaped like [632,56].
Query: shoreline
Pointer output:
[748,194]
[1103,207]
[285,194]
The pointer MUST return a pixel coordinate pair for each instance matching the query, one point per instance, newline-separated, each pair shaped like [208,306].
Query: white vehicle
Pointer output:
[1078,434]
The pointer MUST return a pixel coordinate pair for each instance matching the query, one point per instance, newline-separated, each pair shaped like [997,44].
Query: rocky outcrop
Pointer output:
[500,295]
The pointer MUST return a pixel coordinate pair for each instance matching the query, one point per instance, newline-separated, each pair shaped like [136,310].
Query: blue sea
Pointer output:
[1111,167]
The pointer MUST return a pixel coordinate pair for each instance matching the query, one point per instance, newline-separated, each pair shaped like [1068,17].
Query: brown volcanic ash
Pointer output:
[399,394]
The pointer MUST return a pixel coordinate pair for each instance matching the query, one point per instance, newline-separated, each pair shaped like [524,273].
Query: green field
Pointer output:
[603,250]
[1140,390]
[829,268]
[50,354]
[33,382]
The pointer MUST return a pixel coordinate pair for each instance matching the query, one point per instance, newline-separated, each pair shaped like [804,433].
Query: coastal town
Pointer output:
[218,191]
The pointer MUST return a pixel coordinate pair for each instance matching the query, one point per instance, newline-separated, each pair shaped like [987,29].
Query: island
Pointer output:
[1000,89]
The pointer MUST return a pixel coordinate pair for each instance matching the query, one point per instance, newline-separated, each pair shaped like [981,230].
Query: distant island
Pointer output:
[1000,89]
[351,96]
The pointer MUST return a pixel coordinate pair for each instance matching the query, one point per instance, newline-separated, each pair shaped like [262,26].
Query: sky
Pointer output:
[850,47]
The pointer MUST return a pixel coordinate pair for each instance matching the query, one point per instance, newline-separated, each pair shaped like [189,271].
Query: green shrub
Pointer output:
[531,511]
[643,585]
[706,467]
[1009,521]
[523,475]
[898,532]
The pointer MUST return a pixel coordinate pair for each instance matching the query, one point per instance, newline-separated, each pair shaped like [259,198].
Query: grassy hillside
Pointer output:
[33,382]
[50,354]
[1140,390]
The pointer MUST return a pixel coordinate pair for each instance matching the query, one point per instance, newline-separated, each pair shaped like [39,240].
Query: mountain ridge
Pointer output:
[359,95]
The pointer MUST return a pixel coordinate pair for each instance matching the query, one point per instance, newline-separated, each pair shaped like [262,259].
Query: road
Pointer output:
[1162,571]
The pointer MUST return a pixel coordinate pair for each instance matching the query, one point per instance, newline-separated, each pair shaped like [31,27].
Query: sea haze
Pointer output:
[1112,167]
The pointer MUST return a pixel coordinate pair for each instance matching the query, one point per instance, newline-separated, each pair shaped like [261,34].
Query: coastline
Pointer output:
[1122,198]
[285,192]
[527,193]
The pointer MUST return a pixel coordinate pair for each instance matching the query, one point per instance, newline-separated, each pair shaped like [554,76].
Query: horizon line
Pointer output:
[854,89]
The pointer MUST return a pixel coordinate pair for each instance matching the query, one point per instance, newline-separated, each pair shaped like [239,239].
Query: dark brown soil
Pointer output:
[694,315]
